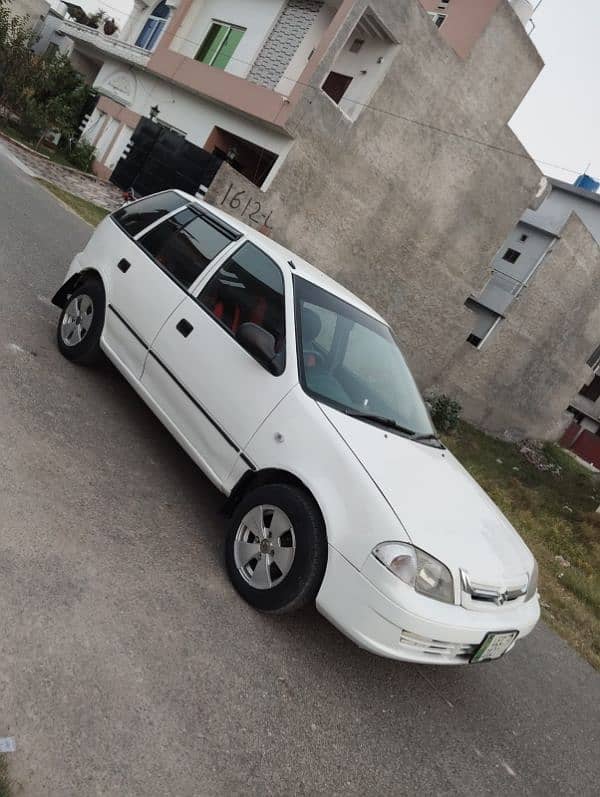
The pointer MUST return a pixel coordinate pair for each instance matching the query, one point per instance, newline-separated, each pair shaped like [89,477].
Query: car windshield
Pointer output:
[351,361]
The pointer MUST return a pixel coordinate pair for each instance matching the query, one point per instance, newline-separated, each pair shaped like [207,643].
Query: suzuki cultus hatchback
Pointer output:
[294,399]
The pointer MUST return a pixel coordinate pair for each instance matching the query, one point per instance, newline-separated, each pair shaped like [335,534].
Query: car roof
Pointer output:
[283,256]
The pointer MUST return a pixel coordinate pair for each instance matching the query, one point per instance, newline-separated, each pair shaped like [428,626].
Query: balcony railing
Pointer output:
[109,45]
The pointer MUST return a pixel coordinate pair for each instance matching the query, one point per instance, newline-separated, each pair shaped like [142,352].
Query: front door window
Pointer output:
[248,288]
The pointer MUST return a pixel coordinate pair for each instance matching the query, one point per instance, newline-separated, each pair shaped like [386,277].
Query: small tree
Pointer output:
[17,61]
[44,92]
[56,100]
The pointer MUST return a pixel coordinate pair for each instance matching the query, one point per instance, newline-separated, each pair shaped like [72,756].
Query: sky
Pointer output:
[558,122]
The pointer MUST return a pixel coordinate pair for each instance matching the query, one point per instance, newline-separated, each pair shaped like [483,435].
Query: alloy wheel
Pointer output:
[77,320]
[264,547]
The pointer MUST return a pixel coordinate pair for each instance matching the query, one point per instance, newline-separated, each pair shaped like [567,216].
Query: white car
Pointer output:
[294,399]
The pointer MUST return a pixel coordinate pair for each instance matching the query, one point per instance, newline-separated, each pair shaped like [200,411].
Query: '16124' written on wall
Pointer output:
[246,207]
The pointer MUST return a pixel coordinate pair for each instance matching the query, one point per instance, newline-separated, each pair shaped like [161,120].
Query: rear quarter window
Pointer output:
[135,217]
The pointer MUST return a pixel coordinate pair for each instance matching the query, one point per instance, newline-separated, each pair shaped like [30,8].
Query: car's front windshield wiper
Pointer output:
[429,438]
[389,423]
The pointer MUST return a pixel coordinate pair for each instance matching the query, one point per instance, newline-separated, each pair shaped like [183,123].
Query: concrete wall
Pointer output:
[367,68]
[508,279]
[404,213]
[531,250]
[466,21]
[523,380]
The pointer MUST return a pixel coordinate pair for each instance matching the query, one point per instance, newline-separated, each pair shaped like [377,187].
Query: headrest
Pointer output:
[311,325]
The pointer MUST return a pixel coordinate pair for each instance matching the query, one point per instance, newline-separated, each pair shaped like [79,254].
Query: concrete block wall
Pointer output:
[291,27]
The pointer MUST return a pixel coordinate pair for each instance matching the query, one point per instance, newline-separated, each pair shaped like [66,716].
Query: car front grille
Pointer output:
[436,649]
[487,597]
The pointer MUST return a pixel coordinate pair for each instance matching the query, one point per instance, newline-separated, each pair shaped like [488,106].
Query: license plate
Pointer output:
[494,646]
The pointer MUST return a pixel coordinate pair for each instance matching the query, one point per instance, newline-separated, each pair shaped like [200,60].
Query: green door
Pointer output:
[227,49]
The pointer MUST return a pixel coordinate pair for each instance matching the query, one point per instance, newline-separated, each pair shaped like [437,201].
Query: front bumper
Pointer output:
[410,627]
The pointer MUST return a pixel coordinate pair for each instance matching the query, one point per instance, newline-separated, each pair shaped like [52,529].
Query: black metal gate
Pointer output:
[159,158]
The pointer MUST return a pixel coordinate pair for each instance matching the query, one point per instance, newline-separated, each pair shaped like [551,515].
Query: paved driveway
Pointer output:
[82,185]
[128,666]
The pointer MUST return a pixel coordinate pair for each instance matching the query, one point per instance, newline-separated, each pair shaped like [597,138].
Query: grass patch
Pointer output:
[91,213]
[556,516]
[4,780]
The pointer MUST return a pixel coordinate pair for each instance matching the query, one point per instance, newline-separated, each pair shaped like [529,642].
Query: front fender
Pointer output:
[72,279]
[298,438]
[61,296]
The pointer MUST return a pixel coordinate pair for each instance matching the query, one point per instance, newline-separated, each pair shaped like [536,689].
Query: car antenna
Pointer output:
[291,262]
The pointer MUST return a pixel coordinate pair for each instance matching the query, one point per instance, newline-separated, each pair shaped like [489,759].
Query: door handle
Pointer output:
[123,265]
[184,327]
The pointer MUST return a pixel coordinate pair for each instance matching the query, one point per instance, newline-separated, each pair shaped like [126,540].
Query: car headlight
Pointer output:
[533,582]
[417,569]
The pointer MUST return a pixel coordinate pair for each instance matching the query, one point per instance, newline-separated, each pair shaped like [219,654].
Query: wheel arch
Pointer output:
[261,478]
[61,296]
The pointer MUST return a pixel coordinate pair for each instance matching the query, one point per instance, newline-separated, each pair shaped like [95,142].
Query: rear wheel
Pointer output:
[276,548]
[81,322]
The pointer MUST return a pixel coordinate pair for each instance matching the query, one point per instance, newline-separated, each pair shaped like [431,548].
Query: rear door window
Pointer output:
[184,244]
[138,215]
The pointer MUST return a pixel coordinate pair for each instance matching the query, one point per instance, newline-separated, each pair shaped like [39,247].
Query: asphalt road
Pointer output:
[128,665]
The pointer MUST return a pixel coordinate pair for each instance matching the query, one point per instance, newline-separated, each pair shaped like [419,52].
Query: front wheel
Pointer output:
[81,322]
[276,549]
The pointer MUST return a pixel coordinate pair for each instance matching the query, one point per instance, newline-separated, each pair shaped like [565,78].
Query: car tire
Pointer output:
[282,572]
[81,322]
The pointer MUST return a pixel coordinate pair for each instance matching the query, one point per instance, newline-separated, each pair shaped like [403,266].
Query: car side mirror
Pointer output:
[260,344]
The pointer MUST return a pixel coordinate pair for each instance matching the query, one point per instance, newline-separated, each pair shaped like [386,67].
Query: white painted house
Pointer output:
[226,74]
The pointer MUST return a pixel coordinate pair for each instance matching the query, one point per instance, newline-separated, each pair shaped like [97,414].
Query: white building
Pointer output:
[525,250]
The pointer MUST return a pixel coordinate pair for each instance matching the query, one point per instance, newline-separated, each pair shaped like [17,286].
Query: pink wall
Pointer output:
[466,21]
[118,111]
